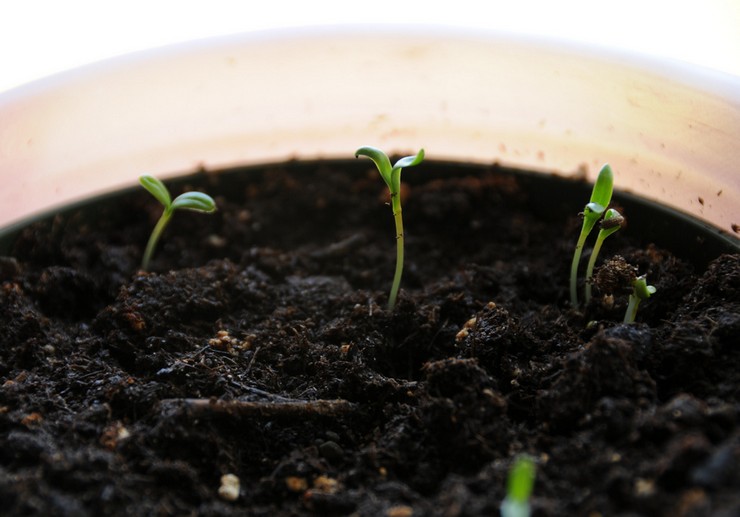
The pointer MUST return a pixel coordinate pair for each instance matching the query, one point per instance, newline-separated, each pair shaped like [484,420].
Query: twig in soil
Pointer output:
[251,361]
[436,334]
[341,248]
[242,408]
[195,354]
[258,392]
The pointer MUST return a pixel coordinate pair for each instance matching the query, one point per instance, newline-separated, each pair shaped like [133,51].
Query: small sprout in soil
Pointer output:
[601,195]
[616,276]
[612,222]
[196,201]
[640,291]
[392,178]
[519,488]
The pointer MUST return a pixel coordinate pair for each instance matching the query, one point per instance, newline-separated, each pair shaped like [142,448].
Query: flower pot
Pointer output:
[259,345]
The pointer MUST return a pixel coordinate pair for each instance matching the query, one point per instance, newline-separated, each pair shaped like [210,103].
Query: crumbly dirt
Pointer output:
[260,345]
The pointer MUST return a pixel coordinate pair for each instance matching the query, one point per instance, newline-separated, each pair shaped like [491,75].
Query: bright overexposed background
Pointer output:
[40,38]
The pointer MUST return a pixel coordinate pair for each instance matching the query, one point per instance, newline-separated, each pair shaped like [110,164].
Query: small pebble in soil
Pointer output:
[216,241]
[684,409]
[693,502]
[32,419]
[331,450]
[227,343]
[326,485]
[400,511]
[113,435]
[644,487]
[331,435]
[465,330]
[9,267]
[296,484]
[229,489]
[720,468]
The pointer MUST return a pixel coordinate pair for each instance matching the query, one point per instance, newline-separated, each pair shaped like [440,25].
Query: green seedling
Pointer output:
[612,222]
[640,291]
[392,178]
[196,201]
[601,195]
[519,488]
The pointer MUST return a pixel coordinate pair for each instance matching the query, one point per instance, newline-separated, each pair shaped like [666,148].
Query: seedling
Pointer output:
[601,195]
[196,201]
[612,222]
[640,291]
[392,178]
[519,488]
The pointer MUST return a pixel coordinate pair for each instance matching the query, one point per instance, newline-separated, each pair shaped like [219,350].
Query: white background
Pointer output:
[39,38]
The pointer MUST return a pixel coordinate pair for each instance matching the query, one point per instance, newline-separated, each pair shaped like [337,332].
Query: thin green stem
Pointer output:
[631,314]
[574,268]
[154,238]
[392,178]
[398,218]
[519,487]
[640,291]
[592,262]
[601,195]
[611,223]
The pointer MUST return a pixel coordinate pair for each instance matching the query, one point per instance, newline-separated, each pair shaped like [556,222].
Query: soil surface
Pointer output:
[259,345]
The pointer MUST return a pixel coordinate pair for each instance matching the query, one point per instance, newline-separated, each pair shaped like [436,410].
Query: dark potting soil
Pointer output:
[260,345]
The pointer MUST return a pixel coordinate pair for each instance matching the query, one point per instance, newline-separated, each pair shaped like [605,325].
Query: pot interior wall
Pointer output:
[549,195]
[670,131]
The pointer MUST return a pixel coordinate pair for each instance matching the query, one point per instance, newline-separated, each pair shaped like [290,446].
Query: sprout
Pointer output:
[612,222]
[640,291]
[392,178]
[601,195]
[196,201]
[519,488]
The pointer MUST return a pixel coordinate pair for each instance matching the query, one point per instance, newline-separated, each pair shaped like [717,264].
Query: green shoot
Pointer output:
[612,222]
[601,195]
[640,291]
[519,488]
[196,201]
[392,178]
